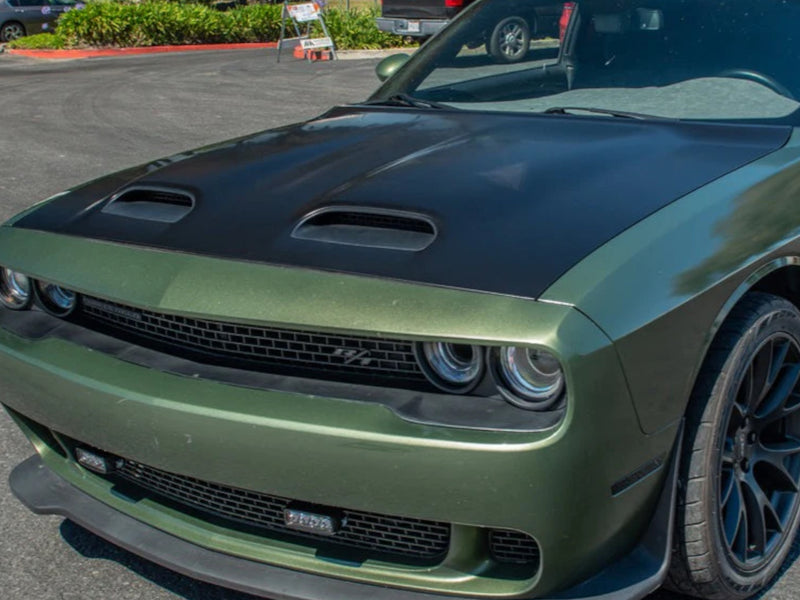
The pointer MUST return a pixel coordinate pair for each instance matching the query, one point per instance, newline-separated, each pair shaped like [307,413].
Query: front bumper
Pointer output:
[42,491]
[341,453]
[351,451]
[411,27]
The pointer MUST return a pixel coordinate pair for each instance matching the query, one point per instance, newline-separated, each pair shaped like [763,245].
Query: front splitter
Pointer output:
[43,492]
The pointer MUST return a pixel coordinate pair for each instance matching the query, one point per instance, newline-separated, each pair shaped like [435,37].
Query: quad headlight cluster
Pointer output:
[531,378]
[18,291]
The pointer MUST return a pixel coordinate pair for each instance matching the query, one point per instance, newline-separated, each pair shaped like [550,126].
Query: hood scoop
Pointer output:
[163,205]
[368,227]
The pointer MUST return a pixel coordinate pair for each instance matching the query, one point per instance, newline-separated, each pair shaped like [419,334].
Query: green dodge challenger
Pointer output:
[502,330]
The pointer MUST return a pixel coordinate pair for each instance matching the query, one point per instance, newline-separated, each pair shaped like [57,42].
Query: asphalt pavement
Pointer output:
[64,122]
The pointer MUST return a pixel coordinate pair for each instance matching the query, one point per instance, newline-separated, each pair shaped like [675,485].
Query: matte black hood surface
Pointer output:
[517,199]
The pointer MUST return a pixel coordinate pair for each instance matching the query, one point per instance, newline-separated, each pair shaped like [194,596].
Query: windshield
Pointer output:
[681,59]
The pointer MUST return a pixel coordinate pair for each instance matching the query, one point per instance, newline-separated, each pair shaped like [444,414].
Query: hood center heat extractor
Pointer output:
[368,227]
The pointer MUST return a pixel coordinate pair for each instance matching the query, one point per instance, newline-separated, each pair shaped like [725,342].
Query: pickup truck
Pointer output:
[508,41]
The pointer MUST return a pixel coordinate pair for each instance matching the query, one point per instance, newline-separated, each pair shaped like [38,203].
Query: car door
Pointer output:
[35,15]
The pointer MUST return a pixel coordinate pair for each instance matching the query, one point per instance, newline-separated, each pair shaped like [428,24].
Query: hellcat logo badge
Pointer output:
[351,355]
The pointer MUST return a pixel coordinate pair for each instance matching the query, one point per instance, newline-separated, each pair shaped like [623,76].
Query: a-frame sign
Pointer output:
[302,17]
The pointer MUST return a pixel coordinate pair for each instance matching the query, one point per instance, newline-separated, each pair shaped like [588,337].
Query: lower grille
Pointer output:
[371,360]
[414,539]
[508,546]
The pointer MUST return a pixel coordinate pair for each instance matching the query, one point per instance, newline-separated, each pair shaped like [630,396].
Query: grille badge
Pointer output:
[351,355]
[310,522]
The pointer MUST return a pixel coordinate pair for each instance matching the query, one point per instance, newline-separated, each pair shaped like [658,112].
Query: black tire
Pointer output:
[510,40]
[742,448]
[11,31]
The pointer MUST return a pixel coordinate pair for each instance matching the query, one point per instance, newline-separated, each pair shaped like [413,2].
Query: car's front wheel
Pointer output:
[11,31]
[739,497]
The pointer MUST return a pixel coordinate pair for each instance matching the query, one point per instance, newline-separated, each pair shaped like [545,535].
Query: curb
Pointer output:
[367,54]
[100,52]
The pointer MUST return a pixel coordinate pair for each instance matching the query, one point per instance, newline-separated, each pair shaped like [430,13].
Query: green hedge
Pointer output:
[166,23]
[40,41]
[161,24]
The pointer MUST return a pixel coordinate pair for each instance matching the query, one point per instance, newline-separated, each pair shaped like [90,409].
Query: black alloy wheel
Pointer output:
[739,498]
[760,459]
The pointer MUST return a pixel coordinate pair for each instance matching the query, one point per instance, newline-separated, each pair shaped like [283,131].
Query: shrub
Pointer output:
[154,23]
[40,41]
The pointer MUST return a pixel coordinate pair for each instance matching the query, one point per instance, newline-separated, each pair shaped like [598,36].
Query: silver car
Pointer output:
[26,17]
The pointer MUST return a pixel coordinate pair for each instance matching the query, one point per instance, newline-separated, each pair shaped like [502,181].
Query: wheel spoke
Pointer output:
[756,521]
[759,373]
[780,350]
[773,407]
[774,455]
[745,392]
[727,487]
[740,543]
[733,513]
[736,419]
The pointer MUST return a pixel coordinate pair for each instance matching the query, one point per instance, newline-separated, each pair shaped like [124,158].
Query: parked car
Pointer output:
[519,330]
[26,17]
[507,40]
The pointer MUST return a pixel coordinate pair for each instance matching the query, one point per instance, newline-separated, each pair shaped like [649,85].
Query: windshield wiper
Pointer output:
[568,110]
[406,100]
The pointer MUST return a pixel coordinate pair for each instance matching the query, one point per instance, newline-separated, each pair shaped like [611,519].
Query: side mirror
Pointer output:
[387,67]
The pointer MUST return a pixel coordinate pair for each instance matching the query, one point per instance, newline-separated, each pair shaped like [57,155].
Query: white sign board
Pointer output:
[303,13]
[314,43]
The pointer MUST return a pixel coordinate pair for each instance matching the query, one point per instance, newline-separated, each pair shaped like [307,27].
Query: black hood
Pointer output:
[512,201]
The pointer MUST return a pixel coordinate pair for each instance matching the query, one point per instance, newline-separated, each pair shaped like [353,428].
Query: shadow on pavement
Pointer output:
[794,554]
[92,546]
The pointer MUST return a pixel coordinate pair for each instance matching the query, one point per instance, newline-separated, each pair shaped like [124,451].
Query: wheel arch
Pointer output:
[780,277]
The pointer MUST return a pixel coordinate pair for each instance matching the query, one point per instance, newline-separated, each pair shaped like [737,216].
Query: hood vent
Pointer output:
[163,205]
[368,227]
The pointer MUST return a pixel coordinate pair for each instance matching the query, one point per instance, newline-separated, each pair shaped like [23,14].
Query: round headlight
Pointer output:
[15,289]
[452,367]
[55,299]
[532,378]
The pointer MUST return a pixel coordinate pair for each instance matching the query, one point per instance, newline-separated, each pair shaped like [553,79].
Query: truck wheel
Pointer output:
[510,40]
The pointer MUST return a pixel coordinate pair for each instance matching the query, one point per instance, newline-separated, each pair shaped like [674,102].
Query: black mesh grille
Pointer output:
[515,547]
[328,356]
[414,539]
